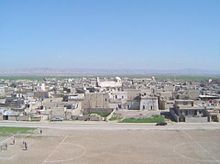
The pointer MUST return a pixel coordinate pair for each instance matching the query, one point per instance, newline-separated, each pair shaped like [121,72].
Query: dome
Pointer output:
[118,78]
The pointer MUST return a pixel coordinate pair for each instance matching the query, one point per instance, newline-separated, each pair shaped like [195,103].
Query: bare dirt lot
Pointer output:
[115,146]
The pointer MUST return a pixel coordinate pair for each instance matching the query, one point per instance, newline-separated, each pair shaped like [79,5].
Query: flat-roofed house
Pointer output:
[186,111]
[148,103]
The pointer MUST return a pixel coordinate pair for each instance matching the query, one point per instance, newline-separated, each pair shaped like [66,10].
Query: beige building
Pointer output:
[186,111]
[148,103]
[2,92]
[96,100]
[132,93]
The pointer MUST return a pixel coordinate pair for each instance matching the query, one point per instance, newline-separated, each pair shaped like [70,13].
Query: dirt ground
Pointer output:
[115,146]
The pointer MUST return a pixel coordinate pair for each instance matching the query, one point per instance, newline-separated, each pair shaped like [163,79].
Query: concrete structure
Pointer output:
[185,111]
[133,104]
[96,100]
[109,84]
[10,115]
[2,91]
[208,97]
[132,93]
[148,103]
[41,94]
[14,102]
[74,97]
[213,114]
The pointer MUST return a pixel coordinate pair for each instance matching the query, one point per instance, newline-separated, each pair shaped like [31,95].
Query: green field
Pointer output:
[115,117]
[153,119]
[186,77]
[5,131]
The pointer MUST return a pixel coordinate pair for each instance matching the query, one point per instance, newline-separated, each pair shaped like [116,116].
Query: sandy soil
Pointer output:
[115,146]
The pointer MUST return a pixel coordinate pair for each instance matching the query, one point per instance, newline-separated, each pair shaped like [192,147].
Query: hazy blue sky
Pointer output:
[140,34]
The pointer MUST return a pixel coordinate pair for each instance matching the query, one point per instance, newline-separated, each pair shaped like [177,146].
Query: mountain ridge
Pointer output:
[92,71]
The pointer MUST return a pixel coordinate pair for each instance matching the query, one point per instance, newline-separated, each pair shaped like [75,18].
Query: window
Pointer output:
[195,113]
[185,103]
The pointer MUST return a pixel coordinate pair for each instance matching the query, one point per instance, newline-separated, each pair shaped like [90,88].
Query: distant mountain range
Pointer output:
[99,72]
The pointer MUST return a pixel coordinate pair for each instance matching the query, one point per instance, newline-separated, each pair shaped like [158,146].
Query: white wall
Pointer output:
[149,104]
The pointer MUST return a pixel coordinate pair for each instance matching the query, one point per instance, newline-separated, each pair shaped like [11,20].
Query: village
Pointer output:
[111,99]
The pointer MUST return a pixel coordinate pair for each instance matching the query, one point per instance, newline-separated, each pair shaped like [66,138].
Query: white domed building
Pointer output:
[109,84]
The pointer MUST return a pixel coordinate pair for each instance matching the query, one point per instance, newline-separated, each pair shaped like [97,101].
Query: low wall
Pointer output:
[174,115]
[196,119]
[23,118]
[97,110]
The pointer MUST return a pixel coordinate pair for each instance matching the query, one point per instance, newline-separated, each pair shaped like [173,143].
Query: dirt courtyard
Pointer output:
[115,146]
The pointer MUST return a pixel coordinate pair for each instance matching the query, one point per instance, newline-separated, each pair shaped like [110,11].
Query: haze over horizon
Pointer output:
[116,34]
